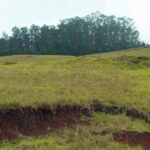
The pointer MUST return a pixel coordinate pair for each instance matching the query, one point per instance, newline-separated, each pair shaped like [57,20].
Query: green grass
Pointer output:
[109,78]
[82,137]
[121,78]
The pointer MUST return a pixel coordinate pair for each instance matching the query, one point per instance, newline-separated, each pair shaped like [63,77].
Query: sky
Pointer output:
[27,12]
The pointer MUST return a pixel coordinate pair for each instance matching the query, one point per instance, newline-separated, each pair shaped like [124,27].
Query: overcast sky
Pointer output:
[26,12]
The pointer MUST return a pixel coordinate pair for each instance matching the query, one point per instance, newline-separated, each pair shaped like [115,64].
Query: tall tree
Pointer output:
[93,33]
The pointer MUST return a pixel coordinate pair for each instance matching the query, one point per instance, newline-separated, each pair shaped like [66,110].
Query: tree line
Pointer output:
[93,33]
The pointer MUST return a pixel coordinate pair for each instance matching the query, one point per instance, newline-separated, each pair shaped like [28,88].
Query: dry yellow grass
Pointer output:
[33,80]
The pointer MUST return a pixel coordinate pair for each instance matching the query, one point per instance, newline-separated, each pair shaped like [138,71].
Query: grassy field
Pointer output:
[116,78]
[121,78]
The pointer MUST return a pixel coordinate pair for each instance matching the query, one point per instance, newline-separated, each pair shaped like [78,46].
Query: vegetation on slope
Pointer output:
[113,78]
[109,78]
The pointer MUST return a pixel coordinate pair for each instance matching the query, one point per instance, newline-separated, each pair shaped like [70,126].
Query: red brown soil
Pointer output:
[133,138]
[37,121]
[28,121]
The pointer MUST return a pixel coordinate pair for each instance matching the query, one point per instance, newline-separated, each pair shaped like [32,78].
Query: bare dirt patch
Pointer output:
[37,121]
[28,121]
[133,138]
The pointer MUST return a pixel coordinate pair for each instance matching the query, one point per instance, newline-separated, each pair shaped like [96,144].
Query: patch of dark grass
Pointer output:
[134,61]
[9,63]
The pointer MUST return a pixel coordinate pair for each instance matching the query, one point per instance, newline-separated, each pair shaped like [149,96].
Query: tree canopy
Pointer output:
[93,33]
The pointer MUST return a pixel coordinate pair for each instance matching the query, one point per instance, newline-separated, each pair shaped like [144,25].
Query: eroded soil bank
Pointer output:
[133,138]
[28,121]
[37,121]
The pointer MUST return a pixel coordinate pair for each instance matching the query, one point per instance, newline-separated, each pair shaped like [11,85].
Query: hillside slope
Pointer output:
[49,94]
[117,78]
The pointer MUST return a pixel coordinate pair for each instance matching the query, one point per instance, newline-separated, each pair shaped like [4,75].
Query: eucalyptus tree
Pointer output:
[93,33]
